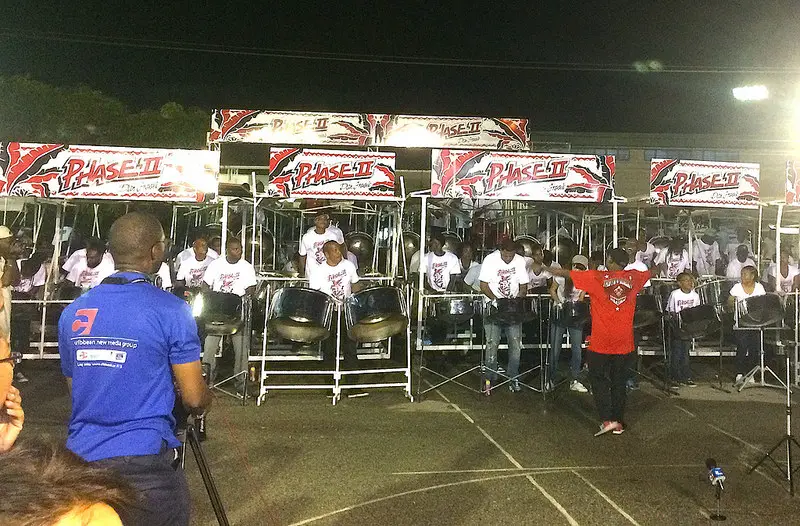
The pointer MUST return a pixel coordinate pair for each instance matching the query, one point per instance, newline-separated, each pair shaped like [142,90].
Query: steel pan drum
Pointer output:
[220,312]
[410,244]
[375,314]
[454,310]
[760,311]
[572,314]
[528,244]
[362,245]
[648,310]
[512,311]
[696,322]
[301,315]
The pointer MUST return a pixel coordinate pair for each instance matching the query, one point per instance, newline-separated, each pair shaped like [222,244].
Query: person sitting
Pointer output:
[734,270]
[748,342]
[562,290]
[681,298]
[190,274]
[783,278]
[45,484]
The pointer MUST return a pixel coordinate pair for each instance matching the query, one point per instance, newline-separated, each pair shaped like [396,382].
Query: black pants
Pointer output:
[608,374]
[748,348]
[163,492]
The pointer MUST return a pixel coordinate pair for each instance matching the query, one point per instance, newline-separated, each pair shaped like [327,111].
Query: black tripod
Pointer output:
[193,440]
[788,439]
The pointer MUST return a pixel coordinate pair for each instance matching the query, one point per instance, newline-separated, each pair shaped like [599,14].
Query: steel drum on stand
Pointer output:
[760,311]
[375,314]
[512,311]
[301,315]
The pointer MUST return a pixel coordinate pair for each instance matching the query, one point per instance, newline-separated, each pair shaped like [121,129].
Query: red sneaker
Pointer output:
[605,427]
[619,429]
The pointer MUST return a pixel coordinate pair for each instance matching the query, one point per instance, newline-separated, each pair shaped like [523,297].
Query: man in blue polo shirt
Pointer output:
[121,344]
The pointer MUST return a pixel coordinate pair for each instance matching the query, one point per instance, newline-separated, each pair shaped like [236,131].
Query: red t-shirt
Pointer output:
[613,303]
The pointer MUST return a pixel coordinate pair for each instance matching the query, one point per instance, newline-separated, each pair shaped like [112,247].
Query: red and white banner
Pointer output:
[332,174]
[704,183]
[452,132]
[793,183]
[291,127]
[524,176]
[101,172]
[368,129]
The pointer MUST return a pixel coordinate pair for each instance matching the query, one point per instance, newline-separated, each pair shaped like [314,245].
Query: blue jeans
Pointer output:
[163,493]
[556,341]
[679,369]
[493,334]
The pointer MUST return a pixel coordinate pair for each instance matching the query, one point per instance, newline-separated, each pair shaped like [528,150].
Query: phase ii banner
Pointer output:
[704,183]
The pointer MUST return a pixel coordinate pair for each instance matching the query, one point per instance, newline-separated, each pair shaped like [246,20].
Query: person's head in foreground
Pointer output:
[48,485]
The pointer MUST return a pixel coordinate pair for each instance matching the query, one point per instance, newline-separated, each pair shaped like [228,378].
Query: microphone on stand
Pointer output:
[715,474]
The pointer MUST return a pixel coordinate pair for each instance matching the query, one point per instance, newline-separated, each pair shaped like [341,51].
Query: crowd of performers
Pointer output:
[609,284]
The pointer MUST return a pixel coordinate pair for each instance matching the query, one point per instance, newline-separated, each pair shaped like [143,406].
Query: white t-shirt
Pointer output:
[439,269]
[636,265]
[188,254]
[334,281]
[737,291]
[166,278]
[648,255]
[27,284]
[80,255]
[705,257]
[472,277]
[235,278]
[334,230]
[472,264]
[676,263]
[311,247]
[562,285]
[503,278]
[783,283]
[679,300]
[731,249]
[734,270]
[537,280]
[192,271]
[86,278]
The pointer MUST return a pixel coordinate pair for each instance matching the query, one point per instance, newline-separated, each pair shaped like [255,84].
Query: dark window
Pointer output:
[620,154]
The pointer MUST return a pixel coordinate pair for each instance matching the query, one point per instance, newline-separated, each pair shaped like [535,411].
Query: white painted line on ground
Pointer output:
[606,498]
[731,435]
[685,410]
[410,492]
[553,469]
[514,462]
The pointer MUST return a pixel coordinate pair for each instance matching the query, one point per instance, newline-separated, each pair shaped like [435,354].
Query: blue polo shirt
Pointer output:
[118,343]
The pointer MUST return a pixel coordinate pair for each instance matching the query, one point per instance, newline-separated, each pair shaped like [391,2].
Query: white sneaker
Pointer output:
[738,380]
[577,386]
[20,378]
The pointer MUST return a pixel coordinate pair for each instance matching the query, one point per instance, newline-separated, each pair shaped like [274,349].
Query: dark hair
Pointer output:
[331,243]
[675,245]
[683,275]
[42,482]
[438,237]
[750,268]
[619,256]
[231,240]
[464,245]
[509,245]
[597,255]
[547,256]
[95,243]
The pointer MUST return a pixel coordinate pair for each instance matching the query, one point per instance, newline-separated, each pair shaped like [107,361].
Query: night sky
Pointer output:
[735,36]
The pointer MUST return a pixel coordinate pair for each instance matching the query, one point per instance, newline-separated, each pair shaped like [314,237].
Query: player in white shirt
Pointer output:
[191,271]
[537,273]
[741,260]
[675,259]
[337,277]
[646,252]
[705,255]
[503,275]
[87,272]
[439,266]
[191,252]
[732,248]
[681,298]
[79,255]
[787,280]
[561,290]
[233,275]
[311,243]
[748,343]
[635,264]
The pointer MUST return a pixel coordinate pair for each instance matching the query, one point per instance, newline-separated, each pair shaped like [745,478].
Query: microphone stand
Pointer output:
[718,516]
[788,439]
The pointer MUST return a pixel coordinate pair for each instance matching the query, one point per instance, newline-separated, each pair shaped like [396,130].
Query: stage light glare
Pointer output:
[751,93]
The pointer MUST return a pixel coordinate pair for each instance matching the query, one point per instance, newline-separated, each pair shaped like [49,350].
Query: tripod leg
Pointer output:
[205,473]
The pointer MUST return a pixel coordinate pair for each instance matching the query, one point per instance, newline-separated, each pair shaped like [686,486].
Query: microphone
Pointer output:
[715,474]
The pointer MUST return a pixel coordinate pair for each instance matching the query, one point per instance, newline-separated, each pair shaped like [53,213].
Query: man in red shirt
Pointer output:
[613,303]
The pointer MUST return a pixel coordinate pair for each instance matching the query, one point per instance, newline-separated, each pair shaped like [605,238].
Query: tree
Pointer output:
[32,111]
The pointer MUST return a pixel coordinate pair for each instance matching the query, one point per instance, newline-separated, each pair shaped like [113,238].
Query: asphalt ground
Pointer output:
[456,457]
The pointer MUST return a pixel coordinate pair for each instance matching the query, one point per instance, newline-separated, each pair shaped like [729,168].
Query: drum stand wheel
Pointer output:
[761,368]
